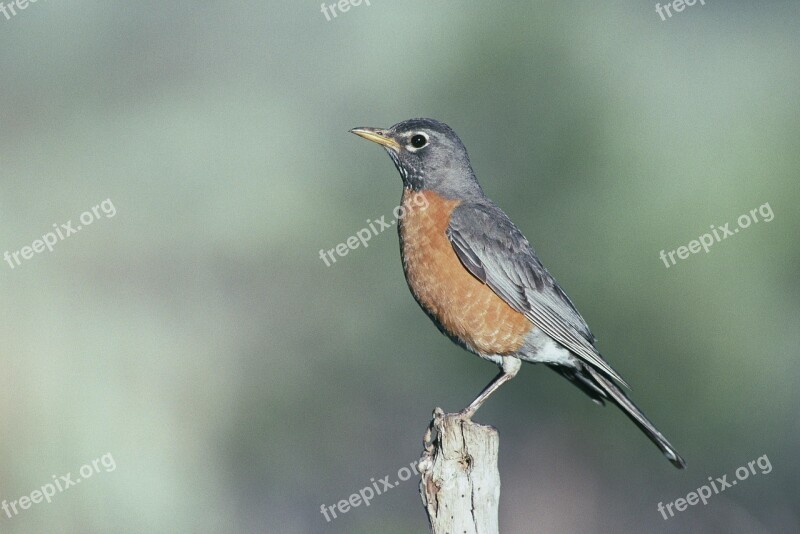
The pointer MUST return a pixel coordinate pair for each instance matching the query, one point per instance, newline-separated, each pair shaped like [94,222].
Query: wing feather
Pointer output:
[493,249]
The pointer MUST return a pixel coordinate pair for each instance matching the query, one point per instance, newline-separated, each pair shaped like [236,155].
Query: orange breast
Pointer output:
[464,306]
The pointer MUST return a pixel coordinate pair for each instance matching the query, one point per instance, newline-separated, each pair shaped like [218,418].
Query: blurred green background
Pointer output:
[240,383]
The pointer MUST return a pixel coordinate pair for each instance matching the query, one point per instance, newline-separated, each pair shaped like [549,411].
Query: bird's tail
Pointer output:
[618,397]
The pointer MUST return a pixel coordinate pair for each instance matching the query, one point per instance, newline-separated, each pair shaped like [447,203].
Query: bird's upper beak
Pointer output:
[377,135]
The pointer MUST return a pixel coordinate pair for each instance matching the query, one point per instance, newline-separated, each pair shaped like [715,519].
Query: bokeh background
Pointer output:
[240,384]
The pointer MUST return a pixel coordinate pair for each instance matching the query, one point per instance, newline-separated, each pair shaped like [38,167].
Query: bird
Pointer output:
[476,276]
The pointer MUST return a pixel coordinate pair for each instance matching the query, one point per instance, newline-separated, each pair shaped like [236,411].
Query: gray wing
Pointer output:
[493,249]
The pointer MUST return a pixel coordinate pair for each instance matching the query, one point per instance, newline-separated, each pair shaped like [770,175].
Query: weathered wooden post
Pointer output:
[460,485]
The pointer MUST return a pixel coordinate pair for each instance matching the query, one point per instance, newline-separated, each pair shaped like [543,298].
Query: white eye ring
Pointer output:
[417,141]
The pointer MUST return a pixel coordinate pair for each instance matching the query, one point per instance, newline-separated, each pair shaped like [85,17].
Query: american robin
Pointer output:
[478,279]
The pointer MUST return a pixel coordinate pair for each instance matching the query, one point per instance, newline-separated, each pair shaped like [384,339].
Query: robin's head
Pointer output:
[429,155]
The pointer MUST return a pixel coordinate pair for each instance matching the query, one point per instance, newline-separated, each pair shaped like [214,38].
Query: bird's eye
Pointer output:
[419,141]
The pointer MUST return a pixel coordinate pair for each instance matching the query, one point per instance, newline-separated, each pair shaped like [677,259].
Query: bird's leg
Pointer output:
[511,367]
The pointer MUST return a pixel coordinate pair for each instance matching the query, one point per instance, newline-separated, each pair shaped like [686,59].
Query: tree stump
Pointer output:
[460,485]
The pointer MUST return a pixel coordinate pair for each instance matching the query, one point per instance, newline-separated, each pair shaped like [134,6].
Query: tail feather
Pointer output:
[618,397]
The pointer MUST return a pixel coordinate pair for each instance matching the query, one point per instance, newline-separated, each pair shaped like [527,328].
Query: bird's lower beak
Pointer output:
[377,135]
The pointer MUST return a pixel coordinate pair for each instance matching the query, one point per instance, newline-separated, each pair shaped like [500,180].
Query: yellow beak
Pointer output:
[376,135]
